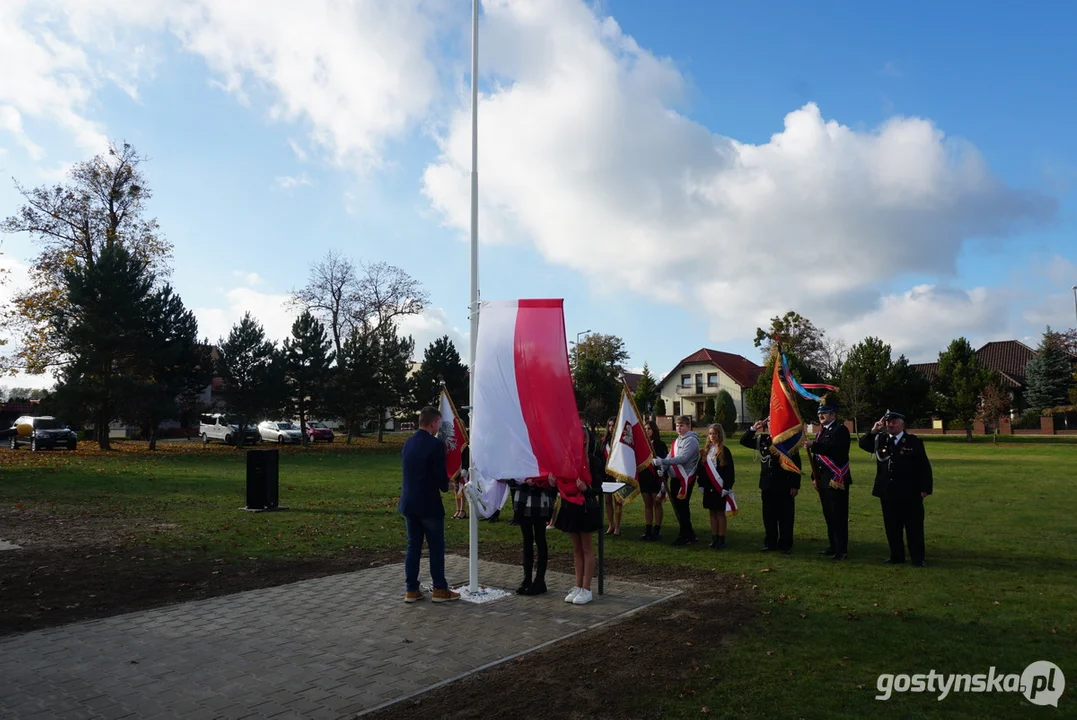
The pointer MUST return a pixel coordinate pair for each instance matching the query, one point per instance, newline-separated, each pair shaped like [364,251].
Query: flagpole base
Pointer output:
[482,595]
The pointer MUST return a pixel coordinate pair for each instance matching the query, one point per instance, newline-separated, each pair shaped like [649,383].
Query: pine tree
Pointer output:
[353,385]
[391,388]
[959,384]
[247,369]
[646,395]
[102,329]
[169,361]
[441,363]
[1049,373]
[725,412]
[708,411]
[307,359]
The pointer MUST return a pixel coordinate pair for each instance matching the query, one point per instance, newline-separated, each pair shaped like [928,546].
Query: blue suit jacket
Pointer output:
[425,477]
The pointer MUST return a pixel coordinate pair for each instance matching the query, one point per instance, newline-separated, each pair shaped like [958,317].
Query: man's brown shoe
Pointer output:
[444,595]
[410,597]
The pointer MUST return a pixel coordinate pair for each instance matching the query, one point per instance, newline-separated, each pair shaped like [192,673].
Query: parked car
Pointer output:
[217,426]
[319,432]
[280,431]
[48,433]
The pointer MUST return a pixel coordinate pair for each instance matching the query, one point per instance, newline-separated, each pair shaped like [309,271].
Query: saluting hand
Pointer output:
[878,426]
[757,426]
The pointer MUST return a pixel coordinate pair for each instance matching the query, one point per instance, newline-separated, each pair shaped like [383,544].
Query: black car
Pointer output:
[48,433]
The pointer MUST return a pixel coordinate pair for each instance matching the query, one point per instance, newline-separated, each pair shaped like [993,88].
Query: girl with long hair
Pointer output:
[650,485]
[718,484]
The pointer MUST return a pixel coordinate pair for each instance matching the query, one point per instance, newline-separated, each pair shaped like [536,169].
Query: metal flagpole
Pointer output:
[473,545]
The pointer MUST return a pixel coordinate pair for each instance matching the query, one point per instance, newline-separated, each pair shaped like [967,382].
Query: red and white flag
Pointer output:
[453,434]
[630,450]
[524,417]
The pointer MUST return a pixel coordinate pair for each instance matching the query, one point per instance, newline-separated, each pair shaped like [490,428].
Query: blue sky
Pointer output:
[678,172]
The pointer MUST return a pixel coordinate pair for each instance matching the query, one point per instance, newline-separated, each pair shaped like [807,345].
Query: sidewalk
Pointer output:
[332,647]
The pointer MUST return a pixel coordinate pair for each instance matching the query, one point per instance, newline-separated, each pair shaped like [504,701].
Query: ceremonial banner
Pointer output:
[786,426]
[453,434]
[630,451]
[525,422]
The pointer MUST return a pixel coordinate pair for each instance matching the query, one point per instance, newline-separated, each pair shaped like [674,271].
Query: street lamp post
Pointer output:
[577,346]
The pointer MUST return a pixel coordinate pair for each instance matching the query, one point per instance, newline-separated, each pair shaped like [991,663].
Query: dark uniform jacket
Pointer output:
[834,443]
[772,476]
[425,476]
[900,470]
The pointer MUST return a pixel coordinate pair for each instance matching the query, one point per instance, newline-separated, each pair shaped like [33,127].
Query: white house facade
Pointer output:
[701,376]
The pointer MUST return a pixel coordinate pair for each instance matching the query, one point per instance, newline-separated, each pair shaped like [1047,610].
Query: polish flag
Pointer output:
[524,418]
[630,451]
[453,434]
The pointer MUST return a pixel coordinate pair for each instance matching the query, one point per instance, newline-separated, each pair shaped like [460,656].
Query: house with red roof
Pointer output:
[704,374]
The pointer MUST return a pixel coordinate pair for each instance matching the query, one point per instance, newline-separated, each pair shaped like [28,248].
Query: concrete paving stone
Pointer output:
[328,645]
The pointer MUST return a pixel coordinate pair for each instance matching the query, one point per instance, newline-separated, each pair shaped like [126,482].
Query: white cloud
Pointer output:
[430,325]
[287,182]
[583,153]
[922,321]
[352,74]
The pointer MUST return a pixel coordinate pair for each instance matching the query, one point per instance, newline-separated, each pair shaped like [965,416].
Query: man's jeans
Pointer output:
[433,529]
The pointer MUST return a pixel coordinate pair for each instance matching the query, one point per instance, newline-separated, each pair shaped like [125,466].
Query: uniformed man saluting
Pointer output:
[902,480]
[830,467]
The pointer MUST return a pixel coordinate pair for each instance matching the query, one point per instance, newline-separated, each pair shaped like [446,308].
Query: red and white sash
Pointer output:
[711,466]
[679,472]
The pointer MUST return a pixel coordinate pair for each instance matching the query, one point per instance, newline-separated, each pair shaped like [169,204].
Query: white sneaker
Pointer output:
[572,594]
[582,597]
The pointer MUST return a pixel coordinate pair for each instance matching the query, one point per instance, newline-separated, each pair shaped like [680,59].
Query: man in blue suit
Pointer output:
[425,478]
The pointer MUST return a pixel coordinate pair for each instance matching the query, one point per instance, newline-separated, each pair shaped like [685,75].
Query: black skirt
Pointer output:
[649,482]
[586,518]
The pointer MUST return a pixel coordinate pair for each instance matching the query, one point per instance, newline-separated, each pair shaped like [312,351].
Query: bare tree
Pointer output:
[331,294]
[835,351]
[854,396]
[385,293]
[346,300]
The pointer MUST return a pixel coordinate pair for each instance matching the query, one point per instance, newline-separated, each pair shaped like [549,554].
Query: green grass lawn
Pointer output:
[1000,589]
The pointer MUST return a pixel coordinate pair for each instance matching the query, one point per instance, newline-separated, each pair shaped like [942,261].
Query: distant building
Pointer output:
[702,375]
[1007,358]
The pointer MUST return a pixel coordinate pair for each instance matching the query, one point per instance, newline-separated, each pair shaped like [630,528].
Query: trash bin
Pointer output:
[263,468]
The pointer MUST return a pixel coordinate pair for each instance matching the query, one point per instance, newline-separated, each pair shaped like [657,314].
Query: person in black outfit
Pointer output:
[778,487]
[532,506]
[650,485]
[903,479]
[831,477]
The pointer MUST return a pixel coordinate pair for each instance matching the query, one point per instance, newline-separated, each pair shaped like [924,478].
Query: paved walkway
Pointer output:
[332,647]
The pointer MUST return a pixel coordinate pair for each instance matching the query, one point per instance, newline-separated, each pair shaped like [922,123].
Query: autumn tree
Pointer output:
[103,204]
[799,337]
[597,366]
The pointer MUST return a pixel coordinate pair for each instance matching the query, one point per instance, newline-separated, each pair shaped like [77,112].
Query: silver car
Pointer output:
[280,431]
